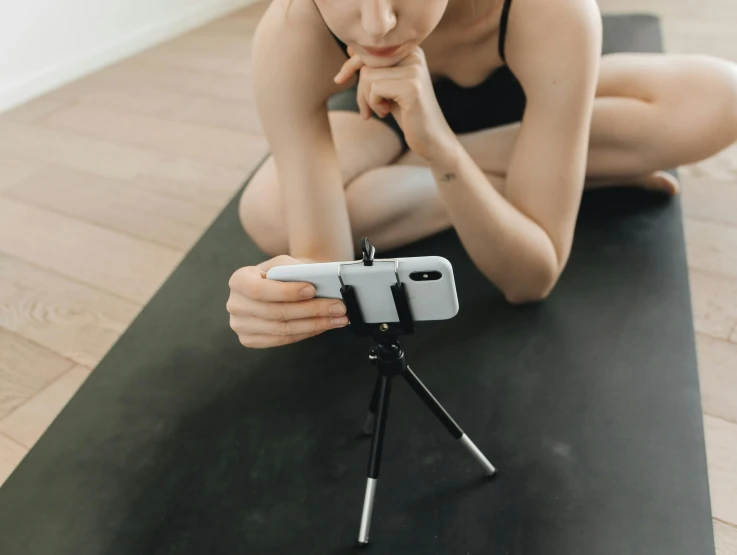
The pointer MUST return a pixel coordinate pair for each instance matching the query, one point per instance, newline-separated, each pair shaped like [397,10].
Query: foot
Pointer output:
[658,181]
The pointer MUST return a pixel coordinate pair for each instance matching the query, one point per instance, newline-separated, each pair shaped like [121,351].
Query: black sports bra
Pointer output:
[502,32]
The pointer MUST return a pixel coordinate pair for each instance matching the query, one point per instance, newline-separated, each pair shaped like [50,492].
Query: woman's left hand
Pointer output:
[406,91]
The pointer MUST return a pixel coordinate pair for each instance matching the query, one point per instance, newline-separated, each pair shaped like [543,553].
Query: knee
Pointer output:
[722,81]
[258,216]
[698,103]
[716,83]
[730,86]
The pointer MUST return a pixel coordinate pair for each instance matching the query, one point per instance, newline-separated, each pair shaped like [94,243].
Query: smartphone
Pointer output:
[428,280]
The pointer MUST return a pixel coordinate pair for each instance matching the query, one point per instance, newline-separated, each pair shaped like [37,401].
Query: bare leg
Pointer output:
[652,112]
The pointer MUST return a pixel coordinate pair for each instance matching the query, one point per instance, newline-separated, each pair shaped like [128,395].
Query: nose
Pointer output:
[378,17]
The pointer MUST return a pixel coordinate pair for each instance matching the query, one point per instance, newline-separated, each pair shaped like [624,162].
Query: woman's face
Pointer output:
[382,32]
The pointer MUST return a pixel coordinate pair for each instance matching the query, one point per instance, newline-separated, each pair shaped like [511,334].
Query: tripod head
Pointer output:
[379,331]
[368,251]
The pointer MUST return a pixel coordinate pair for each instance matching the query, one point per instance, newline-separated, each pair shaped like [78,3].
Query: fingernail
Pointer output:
[338,322]
[338,309]
[307,292]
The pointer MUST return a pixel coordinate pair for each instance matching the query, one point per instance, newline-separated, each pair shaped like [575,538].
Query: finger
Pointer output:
[361,98]
[369,76]
[252,283]
[313,308]
[397,93]
[349,68]
[281,260]
[382,94]
[267,341]
[257,326]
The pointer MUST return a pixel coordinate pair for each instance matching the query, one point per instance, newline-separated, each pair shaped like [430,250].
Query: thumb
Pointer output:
[281,260]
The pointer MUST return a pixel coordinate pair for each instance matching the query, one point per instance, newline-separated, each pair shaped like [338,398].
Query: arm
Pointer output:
[521,242]
[294,61]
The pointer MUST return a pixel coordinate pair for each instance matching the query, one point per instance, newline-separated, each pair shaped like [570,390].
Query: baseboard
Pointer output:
[50,78]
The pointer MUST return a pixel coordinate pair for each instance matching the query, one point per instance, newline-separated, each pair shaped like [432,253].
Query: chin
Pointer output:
[381,61]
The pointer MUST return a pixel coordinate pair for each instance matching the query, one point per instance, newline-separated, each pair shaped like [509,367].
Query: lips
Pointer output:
[381,52]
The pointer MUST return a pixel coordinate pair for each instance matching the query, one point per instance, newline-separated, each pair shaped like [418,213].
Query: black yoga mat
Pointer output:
[184,442]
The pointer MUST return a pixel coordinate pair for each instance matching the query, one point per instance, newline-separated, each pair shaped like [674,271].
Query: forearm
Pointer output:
[508,247]
[314,203]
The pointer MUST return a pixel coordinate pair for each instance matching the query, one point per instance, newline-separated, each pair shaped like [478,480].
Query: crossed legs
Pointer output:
[652,112]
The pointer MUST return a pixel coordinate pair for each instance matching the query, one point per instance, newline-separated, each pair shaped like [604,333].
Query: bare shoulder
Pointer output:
[561,37]
[294,56]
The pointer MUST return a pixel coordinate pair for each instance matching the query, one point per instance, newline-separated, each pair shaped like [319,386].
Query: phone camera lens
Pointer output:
[425,276]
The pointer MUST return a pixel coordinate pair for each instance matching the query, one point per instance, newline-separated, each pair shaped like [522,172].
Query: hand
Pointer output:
[268,313]
[406,91]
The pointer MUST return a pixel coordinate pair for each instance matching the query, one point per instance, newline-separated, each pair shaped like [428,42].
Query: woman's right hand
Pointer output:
[268,313]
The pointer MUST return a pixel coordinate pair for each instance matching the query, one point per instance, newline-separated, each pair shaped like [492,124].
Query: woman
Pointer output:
[435,138]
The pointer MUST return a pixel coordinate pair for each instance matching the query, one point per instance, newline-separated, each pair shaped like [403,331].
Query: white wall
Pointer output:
[47,43]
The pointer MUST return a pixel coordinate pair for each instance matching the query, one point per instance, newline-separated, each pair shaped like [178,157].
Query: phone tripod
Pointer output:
[390,361]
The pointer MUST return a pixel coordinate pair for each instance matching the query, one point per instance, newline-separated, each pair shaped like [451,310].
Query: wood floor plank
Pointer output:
[78,322]
[203,191]
[219,146]
[182,106]
[720,167]
[725,538]
[199,52]
[721,452]
[710,199]
[36,109]
[670,11]
[714,302]
[11,454]
[182,169]
[14,169]
[219,85]
[25,369]
[27,423]
[200,181]
[111,203]
[711,247]
[75,151]
[689,35]
[129,267]
[718,377]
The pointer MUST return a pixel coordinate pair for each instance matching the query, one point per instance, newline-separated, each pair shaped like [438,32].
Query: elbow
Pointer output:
[530,291]
[530,295]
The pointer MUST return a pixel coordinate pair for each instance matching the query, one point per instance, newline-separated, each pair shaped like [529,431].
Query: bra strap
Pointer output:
[503,28]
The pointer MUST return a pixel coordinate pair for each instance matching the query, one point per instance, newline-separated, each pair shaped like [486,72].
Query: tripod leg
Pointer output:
[377,444]
[446,419]
[370,423]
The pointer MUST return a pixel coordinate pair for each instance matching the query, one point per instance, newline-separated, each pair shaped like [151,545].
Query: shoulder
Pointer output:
[561,37]
[294,55]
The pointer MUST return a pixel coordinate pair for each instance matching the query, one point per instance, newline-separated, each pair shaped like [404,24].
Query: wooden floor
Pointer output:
[106,183]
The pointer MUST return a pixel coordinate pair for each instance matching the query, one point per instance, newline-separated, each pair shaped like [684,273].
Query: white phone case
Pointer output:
[428,300]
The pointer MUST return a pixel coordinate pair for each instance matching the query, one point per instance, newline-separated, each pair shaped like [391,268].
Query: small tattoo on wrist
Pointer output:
[448,177]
